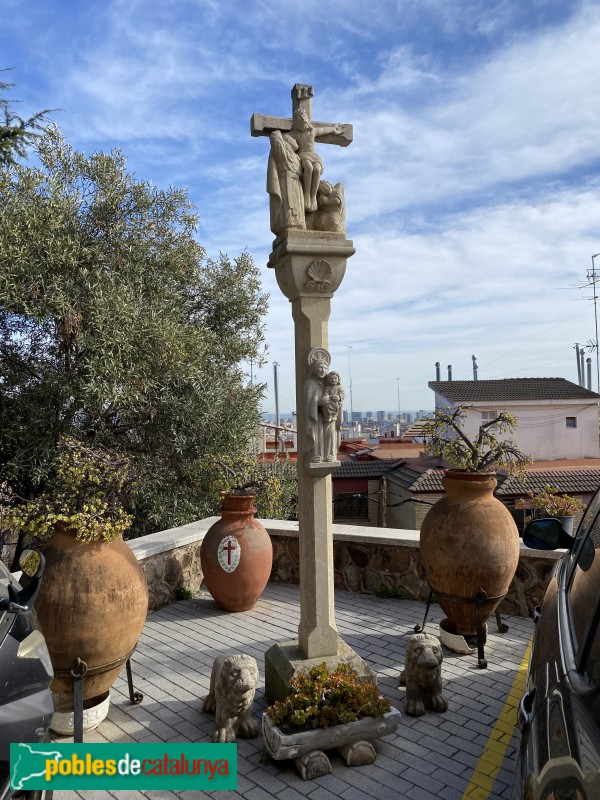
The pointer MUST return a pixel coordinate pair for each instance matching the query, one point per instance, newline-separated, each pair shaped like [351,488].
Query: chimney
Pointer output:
[449,372]
[588,361]
[579,375]
[474,358]
[437,370]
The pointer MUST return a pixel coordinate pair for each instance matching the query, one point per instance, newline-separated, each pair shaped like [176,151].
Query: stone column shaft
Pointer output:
[309,267]
[317,633]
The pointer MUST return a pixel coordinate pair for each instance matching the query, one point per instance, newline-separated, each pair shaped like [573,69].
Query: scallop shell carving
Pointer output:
[320,273]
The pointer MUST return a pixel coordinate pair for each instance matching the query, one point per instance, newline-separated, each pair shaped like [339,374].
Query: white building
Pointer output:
[557,419]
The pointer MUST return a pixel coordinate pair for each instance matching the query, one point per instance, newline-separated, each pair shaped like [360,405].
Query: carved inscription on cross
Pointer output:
[294,156]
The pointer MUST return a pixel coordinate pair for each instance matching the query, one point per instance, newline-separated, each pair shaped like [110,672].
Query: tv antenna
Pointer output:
[592,277]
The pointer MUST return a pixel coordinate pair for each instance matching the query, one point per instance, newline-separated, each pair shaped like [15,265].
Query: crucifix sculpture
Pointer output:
[299,199]
[309,258]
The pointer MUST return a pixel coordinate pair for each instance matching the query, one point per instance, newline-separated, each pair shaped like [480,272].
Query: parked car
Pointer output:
[559,714]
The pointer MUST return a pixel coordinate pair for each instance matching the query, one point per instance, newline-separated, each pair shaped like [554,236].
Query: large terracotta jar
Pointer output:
[92,605]
[469,543]
[236,555]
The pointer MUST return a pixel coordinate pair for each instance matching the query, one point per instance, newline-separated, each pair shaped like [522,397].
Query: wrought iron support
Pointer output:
[77,673]
[420,628]
[479,600]
[135,696]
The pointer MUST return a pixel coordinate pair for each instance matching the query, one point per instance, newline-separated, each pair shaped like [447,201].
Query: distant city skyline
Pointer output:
[472,185]
[269,416]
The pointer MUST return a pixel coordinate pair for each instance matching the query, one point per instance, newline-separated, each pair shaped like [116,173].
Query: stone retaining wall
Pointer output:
[170,560]
[365,560]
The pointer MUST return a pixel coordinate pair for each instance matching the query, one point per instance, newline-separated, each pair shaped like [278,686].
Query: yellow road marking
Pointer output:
[489,764]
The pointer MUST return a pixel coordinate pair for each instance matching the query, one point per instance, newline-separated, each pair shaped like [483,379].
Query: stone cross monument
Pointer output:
[309,258]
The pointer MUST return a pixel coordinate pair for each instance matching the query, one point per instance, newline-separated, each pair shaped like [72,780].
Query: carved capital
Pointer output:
[310,263]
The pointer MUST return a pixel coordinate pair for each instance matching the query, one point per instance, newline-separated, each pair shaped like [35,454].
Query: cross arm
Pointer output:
[261,125]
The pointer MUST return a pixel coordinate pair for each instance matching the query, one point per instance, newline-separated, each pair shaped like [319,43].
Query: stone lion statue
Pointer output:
[422,675]
[231,697]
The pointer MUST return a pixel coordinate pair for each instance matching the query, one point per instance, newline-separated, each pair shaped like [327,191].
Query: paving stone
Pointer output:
[418,793]
[321,793]
[433,756]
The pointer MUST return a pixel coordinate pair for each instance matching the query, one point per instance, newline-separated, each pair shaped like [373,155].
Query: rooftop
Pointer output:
[364,468]
[424,474]
[512,389]
[468,751]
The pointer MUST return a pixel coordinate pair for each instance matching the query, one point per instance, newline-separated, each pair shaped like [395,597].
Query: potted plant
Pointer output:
[325,710]
[488,451]
[549,502]
[93,600]
[469,541]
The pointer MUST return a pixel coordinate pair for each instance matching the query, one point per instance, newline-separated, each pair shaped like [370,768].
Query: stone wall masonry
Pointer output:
[170,560]
[365,560]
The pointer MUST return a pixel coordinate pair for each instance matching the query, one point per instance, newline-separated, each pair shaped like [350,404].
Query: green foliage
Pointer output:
[321,699]
[117,331]
[488,451]
[274,484]
[549,501]
[181,593]
[84,492]
[16,133]
[387,591]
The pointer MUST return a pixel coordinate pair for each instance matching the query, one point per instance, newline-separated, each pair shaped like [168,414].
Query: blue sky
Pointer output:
[472,185]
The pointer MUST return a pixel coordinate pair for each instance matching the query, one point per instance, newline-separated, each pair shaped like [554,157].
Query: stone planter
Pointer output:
[306,747]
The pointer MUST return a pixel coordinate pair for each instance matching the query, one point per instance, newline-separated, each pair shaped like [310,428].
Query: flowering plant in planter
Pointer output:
[485,452]
[549,501]
[322,699]
[84,492]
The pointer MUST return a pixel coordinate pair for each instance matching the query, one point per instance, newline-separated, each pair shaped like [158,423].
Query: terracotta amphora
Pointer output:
[469,542]
[236,555]
[92,605]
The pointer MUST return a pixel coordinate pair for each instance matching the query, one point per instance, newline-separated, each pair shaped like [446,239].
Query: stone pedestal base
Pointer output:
[286,659]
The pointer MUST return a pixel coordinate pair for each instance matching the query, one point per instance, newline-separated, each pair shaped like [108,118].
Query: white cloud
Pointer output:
[472,185]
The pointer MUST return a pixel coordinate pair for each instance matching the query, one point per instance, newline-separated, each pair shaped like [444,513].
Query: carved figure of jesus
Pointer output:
[331,410]
[304,132]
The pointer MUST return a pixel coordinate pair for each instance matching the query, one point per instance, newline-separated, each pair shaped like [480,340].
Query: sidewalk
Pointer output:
[467,752]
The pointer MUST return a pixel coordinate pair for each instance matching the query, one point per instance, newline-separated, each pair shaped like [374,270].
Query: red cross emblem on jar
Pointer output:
[228,553]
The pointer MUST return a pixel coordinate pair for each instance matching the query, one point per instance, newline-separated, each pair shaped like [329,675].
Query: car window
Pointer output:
[586,520]
[584,586]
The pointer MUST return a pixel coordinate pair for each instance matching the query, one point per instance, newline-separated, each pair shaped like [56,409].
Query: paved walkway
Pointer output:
[468,752]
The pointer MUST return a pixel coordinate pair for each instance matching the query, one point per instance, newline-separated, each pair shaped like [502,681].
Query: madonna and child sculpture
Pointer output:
[324,397]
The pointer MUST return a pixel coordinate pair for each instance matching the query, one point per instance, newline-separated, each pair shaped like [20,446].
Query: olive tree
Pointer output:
[16,133]
[116,329]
